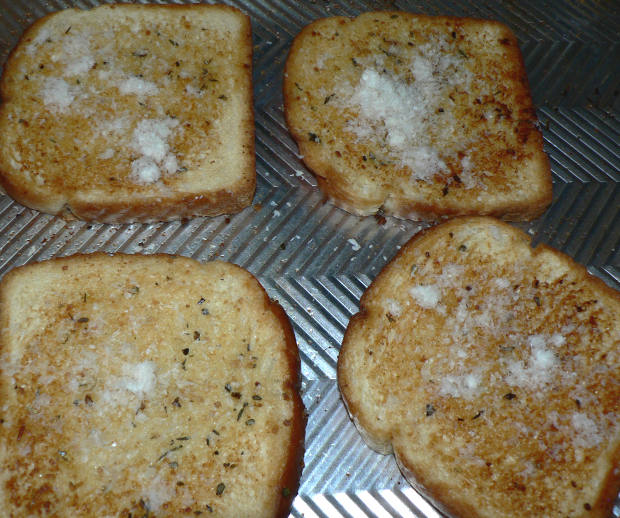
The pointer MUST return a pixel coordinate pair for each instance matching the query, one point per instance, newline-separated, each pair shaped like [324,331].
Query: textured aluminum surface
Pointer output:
[317,260]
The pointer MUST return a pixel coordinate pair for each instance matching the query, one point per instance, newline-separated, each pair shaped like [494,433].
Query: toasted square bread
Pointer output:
[130,113]
[490,369]
[145,386]
[420,117]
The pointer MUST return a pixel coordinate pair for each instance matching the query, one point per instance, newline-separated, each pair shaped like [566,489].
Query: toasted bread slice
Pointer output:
[146,386]
[490,369]
[422,117]
[130,113]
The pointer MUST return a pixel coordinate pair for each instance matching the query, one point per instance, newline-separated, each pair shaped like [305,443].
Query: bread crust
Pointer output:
[278,489]
[215,167]
[517,185]
[438,472]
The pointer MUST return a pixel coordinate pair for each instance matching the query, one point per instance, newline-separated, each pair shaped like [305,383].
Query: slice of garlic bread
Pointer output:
[421,117]
[491,370]
[130,113]
[146,386]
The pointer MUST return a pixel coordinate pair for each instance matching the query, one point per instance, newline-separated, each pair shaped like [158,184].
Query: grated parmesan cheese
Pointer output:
[75,54]
[587,434]
[108,153]
[354,244]
[401,112]
[150,139]
[537,369]
[158,492]
[137,86]
[394,307]
[57,93]
[426,296]
[42,36]
[139,378]
[464,386]
[145,170]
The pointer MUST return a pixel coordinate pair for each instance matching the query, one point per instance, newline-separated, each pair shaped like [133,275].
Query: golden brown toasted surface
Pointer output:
[145,385]
[422,117]
[130,113]
[491,370]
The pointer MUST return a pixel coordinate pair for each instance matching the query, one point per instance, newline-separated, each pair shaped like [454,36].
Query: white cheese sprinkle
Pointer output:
[354,244]
[57,92]
[150,139]
[426,296]
[140,378]
[145,170]
[137,86]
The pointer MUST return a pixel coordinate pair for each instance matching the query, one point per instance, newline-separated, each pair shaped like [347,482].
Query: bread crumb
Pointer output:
[354,244]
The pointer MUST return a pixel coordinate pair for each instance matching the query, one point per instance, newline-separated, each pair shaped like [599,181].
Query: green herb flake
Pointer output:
[314,137]
[220,488]
[242,410]
[175,448]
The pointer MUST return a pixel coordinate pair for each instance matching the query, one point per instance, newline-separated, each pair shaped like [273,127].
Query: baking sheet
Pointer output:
[316,260]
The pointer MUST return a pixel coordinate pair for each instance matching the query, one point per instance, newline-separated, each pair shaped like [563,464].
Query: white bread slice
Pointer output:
[146,386]
[490,369]
[421,117]
[130,113]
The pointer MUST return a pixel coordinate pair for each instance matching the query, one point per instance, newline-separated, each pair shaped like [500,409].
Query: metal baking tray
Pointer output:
[316,260]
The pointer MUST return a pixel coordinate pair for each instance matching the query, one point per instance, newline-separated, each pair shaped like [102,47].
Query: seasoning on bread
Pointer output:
[490,369]
[146,386]
[130,113]
[420,117]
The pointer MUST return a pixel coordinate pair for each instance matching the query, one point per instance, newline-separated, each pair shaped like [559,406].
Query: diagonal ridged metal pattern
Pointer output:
[317,259]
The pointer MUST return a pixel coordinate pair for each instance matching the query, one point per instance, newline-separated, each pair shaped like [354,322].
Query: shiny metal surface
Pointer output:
[317,260]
